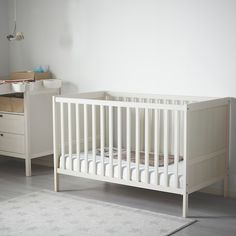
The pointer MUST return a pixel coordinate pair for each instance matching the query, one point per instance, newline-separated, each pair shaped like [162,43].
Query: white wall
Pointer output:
[4,52]
[154,46]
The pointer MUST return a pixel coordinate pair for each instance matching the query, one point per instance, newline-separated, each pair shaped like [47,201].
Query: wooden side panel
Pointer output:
[40,124]
[208,131]
[207,146]
[205,173]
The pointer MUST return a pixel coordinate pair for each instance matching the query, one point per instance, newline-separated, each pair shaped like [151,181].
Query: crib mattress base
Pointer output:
[161,179]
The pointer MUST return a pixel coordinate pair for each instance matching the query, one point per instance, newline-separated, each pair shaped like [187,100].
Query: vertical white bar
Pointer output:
[119,137]
[62,135]
[94,138]
[185,173]
[142,127]
[156,144]
[170,129]
[70,136]
[86,137]
[228,152]
[166,154]
[77,117]
[55,145]
[128,142]
[111,141]
[102,138]
[176,147]
[27,135]
[106,126]
[137,142]
[146,146]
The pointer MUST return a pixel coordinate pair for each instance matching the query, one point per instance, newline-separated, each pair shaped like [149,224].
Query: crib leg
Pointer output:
[27,166]
[185,205]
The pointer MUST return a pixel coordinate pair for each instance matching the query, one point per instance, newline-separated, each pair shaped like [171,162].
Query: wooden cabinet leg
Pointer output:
[28,167]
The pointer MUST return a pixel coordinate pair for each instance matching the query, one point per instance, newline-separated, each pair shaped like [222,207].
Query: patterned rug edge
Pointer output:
[65,195]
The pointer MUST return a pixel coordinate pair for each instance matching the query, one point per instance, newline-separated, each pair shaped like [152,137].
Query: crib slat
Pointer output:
[176,151]
[128,142]
[137,142]
[62,135]
[102,138]
[111,141]
[77,117]
[94,138]
[166,147]
[119,135]
[156,144]
[170,127]
[70,136]
[142,127]
[86,137]
[146,146]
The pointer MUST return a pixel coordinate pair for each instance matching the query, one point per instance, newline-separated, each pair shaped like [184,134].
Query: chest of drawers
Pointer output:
[28,135]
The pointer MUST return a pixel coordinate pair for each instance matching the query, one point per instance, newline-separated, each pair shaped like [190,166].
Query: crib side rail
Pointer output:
[128,104]
[208,143]
[157,96]
[83,125]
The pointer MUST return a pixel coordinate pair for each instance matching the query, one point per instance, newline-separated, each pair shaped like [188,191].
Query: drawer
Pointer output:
[10,123]
[12,143]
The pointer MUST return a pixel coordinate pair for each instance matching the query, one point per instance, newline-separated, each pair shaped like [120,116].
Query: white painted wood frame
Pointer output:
[192,128]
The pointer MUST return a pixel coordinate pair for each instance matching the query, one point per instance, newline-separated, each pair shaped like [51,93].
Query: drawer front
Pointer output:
[12,143]
[12,123]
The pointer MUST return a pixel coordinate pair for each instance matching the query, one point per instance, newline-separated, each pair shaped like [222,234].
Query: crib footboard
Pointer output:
[208,144]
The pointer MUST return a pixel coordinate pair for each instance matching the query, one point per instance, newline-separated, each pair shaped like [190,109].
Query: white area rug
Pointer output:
[47,213]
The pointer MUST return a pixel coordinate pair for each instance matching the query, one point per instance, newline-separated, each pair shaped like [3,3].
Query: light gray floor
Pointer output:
[216,215]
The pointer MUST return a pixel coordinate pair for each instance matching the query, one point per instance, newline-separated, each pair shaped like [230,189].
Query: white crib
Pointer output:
[173,144]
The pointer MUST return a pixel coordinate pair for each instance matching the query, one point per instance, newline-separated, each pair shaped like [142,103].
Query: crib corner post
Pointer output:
[186,156]
[228,152]
[185,205]
[55,146]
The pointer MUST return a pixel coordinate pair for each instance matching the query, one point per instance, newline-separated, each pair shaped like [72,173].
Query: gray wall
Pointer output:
[4,52]
[153,46]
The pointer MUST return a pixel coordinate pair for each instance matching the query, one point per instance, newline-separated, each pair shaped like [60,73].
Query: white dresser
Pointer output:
[28,134]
